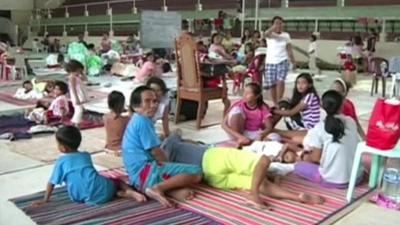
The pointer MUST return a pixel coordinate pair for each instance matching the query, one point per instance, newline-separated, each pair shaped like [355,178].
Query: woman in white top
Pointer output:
[279,51]
[161,90]
[330,146]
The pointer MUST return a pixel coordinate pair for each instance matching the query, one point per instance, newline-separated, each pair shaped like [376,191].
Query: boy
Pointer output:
[144,161]
[229,168]
[84,183]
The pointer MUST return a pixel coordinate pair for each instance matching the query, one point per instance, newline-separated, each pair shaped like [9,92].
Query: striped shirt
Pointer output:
[311,115]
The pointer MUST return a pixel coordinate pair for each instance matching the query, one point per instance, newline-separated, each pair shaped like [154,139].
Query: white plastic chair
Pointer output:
[376,165]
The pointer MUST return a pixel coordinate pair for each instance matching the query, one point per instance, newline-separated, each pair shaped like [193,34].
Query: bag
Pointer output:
[384,125]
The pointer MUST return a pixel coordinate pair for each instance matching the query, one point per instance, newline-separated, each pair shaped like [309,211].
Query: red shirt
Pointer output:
[349,109]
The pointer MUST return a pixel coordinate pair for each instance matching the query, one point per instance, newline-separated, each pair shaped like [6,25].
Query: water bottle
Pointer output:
[390,184]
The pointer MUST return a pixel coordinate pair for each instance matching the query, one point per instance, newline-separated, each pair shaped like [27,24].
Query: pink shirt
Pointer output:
[219,49]
[145,71]
[59,103]
[254,118]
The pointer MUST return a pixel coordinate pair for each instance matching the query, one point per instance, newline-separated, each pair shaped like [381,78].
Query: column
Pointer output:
[382,35]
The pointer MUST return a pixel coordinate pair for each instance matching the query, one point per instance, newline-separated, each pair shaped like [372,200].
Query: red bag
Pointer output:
[384,125]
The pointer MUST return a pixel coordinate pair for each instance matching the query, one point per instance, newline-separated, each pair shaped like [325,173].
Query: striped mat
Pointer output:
[222,207]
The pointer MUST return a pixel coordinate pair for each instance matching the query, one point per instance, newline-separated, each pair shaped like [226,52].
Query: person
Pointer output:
[277,65]
[230,168]
[246,36]
[331,146]
[350,70]
[312,54]
[249,118]
[147,70]
[81,39]
[27,92]
[55,46]
[76,89]
[115,122]
[358,53]
[105,44]
[217,51]
[228,43]
[58,109]
[161,90]
[145,162]
[75,169]
[305,101]
[46,43]
[348,108]
[94,62]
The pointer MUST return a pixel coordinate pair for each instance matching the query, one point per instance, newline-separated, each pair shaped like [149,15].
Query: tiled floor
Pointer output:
[21,175]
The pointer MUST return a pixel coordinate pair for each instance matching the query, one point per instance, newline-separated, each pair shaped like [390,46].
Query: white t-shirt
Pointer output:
[276,48]
[313,47]
[337,158]
[161,108]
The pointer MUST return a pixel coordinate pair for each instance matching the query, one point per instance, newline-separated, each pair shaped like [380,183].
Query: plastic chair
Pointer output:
[394,69]
[379,70]
[376,165]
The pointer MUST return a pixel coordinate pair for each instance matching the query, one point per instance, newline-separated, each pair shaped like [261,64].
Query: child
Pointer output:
[312,54]
[305,101]
[84,183]
[58,108]
[350,72]
[115,123]
[348,108]
[76,89]
[161,90]
[331,146]
[147,70]
[27,92]
[249,118]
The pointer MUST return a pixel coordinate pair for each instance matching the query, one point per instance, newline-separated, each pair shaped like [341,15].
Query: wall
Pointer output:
[16,4]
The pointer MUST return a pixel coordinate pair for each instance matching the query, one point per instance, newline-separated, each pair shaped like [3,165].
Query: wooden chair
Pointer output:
[190,82]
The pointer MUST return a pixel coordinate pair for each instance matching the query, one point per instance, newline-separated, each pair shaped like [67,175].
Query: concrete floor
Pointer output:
[21,175]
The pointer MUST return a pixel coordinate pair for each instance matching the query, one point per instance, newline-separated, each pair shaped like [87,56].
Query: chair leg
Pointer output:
[376,85]
[372,86]
[374,171]
[354,172]
[200,110]
[383,87]
[178,109]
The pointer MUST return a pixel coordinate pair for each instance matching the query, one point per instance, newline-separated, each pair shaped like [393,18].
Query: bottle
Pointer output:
[390,184]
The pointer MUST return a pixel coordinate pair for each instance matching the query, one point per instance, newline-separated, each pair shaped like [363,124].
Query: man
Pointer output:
[229,168]
[144,161]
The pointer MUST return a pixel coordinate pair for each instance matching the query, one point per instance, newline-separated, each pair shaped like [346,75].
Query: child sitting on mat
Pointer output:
[58,109]
[115,123]
[76,170]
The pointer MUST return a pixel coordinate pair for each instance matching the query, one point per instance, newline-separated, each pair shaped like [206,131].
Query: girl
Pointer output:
[217,50]
[348,108]
[115,123]
[331,146]
[305,101]
[350,70]
[246,36]
[76,89]
[161,90]
[249,118]
[146,70]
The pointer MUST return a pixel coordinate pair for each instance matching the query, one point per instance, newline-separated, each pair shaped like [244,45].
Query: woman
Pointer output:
[279,52]
[330,146]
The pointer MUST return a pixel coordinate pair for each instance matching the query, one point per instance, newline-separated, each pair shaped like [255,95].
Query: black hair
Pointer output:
[332,102]
[60,58]
[90,46]
[159,82]
[26,82]
[297,96]
[257,90]
[244,36]
[74,66]
[250,45]
[136,96]
[62,86]
[313,37]
[69,136]
[276,18]
[116,102]
[148,55]
[213,37]
[358,40]
[166,67]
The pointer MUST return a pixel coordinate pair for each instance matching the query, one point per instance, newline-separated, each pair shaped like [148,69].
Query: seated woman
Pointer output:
[147,70]
[161,90]
[304,104]
[331,146]
[217,51]
[249,118]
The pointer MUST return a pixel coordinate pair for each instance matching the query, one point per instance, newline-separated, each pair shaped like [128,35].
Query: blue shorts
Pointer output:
[154,173]
[275,72]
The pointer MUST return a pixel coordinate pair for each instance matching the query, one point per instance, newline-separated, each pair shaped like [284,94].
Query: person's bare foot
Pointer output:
[255,201]
[158,195]
[311,199]
[182,194]
[132,194]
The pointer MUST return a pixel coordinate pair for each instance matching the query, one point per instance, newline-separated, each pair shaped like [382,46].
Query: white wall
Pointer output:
[16,4]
